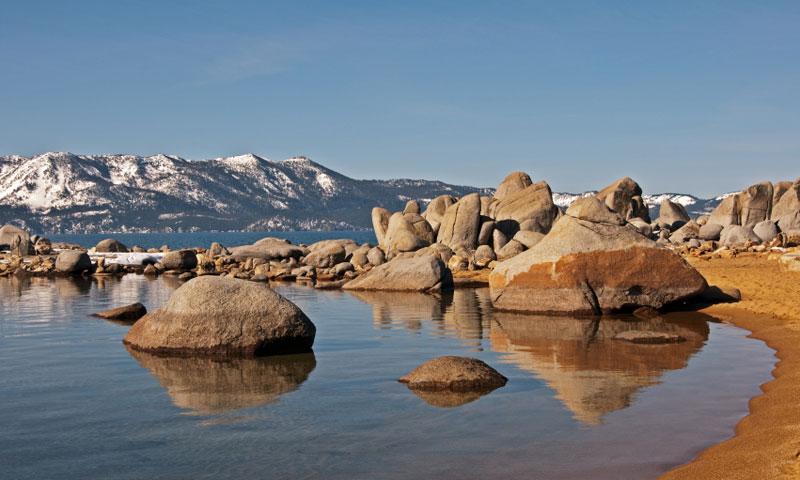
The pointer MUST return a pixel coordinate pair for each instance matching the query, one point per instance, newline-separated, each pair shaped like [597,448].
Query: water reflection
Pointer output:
[591,373]
[209,386]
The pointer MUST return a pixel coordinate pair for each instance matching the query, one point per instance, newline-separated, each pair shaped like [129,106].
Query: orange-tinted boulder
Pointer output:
[592,262]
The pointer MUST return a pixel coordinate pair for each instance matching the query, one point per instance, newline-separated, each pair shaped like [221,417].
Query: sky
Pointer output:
[695,97]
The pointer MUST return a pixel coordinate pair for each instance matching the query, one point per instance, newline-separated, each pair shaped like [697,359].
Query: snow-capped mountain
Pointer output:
[64,192]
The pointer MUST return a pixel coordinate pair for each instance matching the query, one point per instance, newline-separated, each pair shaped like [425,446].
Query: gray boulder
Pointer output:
[486,231]
[461,223]
[16,240]
[376,256]
[687,232]
[380,222]
[179,260]
[513,183]
[212,315]
[407,233]
[727,212]
[419,274]
[643,227]
[710,231]
[624,196]
[73,261]
[325,255]
[766,230]
[434,213]
[672,215]
[459,374]
[269,248]
[756,204]
[735,235]
[510,250]
[110,245]
[532,206]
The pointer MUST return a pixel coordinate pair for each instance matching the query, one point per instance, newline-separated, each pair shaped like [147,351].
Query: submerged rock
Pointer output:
[223,316]
[647,337]
[591,263]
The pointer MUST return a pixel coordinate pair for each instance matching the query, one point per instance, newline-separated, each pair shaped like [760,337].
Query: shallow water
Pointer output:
[77,404]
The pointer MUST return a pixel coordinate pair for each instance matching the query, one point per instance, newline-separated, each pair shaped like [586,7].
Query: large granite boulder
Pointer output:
[325,254]
[16,240]
[592,262]
[532,207]
[787,206]
[733,235]
[434,212]
[407,233]
[672,215]
[73,261]
[727,212]
[110,245]
[513,183]
[461,223]
[380,222]
[710,231]
[624,196]
[687,232]
[766,231]
[425,273]
[223,316]
[412,206]
[180,260]
[269,248]
[756,204]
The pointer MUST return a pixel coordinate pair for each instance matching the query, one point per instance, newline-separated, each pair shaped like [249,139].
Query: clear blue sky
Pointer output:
[702,97]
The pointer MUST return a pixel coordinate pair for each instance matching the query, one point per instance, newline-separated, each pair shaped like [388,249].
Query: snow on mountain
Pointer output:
[61,191]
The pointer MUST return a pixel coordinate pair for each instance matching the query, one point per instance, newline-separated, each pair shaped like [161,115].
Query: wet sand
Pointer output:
[767,441]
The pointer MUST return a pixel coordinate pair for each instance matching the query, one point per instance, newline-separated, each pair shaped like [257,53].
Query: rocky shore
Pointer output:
[513,232]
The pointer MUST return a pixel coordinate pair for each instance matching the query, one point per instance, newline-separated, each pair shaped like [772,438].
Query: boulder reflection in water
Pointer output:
[592,373]
[208,386]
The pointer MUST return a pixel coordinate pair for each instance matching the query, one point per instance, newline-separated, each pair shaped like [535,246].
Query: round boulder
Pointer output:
[179,260]
[73,261]
[110,245]
[211,315]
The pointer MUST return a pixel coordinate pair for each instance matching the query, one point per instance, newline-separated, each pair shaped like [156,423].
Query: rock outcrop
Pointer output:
[592,262]
[223,316]
[461,223]
[16,240]
[625,197]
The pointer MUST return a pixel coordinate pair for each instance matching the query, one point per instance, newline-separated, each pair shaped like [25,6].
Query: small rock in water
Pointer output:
[128,313]
[648,338]
[459,374]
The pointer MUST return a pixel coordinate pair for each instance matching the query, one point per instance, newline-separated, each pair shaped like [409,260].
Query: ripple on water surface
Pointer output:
[578,404]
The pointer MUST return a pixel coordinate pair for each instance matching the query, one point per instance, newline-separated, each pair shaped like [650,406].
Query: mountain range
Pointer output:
[61,192]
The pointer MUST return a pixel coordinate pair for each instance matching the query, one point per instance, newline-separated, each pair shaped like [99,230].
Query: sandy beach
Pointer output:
[767,441]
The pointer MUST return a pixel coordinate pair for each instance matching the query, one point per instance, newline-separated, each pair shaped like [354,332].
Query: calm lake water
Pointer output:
[204,239]
[77,404]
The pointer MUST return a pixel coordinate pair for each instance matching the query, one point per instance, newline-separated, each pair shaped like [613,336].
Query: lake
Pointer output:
[578,404]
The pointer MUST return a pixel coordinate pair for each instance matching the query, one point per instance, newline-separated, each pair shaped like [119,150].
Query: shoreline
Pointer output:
[766,442]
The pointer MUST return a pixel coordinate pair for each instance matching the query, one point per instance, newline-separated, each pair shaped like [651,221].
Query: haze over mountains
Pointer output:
[61,192]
